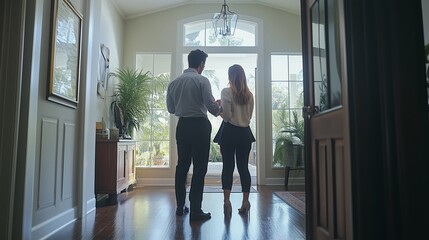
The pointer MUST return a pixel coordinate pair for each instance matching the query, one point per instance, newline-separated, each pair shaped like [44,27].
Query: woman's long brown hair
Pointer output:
[238,84]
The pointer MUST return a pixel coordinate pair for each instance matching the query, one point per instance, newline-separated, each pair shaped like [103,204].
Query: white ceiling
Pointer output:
[133,8]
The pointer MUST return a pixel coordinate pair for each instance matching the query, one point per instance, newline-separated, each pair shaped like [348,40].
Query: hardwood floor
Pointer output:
[149,213]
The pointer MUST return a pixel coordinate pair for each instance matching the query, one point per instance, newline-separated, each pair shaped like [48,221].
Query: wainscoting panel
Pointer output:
[68,161]
[339,190]
[48,150]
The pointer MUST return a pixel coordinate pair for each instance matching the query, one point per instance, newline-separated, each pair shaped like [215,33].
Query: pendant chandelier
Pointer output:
[225,21]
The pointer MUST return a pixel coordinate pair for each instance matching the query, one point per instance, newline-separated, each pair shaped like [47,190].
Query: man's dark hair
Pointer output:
[196,57]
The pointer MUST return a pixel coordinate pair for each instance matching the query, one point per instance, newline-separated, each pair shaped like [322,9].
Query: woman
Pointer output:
[235,137]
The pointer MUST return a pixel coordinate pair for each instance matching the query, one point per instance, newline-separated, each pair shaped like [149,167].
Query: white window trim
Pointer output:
[270,127]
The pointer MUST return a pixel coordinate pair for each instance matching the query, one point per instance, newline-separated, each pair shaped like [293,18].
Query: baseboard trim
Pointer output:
[91,205]
[53,225]
[155,182]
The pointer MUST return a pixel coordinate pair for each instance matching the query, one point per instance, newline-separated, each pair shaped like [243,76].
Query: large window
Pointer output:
[287,97]
[153,136]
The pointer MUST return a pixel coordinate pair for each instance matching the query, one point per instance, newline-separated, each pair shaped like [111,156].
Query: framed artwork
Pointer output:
[66,38]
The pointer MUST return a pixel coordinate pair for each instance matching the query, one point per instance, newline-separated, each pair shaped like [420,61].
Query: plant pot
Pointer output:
[158,161]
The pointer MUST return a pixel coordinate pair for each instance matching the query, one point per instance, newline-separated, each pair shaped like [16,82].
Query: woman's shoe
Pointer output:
[245,207]
[227,208]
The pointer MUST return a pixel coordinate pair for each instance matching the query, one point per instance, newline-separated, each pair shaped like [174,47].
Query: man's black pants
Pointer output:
[193,144]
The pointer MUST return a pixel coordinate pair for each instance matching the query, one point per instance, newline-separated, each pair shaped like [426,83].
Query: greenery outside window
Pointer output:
[287,97]
[153,136]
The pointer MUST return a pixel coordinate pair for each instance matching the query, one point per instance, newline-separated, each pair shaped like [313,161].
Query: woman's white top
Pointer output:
[238,115]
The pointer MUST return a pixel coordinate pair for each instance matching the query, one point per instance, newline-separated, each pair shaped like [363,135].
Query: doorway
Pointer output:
[216,70]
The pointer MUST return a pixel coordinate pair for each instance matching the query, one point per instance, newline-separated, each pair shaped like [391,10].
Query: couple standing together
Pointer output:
[189,97]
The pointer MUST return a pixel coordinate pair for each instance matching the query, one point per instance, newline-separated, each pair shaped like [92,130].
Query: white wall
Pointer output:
[104,26]
[157,32]
[111,34]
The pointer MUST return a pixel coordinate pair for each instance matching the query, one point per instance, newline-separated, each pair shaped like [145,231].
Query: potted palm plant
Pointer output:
[288,144]
[132,98]
[283,150]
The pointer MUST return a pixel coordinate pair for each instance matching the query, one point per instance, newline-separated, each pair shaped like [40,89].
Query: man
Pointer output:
[190,97]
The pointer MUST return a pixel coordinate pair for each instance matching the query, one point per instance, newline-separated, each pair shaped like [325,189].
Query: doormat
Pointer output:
[218,189]
[293,199]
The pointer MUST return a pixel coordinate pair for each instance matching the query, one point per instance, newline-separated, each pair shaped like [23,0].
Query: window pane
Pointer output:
[281,119]
[295,68]
[279,70]
[195,33]
[246,33]
[160,154]
[280,95]
[153,134]
[296,94]
[143,153]
[160,124]
[211,38]
[320,91]
[319,57]
[244,36]
[152,154]
[144,61]
[162,64]
[335,67]
[145,132]
[155,63]
[159,101]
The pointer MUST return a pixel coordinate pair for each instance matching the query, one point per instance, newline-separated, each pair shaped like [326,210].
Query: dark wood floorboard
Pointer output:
[149,213]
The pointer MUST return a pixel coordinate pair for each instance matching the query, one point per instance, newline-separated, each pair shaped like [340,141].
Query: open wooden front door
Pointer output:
[327,135]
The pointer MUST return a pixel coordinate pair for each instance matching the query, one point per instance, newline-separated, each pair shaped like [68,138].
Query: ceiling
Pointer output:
[134,8]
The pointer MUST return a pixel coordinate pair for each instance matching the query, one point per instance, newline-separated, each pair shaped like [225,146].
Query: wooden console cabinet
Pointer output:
[114,166]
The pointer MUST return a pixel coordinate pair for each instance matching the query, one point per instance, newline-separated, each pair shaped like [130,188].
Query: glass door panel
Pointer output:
[326,55]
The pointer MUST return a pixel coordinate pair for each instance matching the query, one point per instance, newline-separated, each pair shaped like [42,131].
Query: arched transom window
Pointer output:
[201,33]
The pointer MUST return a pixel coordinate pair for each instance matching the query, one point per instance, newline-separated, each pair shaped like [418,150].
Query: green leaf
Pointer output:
[133,95]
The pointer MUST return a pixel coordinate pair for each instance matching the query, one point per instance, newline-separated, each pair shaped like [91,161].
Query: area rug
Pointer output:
[218,189]
[293,199]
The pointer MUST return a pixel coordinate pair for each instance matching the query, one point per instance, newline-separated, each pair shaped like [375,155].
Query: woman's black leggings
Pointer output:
[239,152]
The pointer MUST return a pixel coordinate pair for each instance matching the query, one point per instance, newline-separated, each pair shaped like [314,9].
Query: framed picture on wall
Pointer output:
[66,38]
